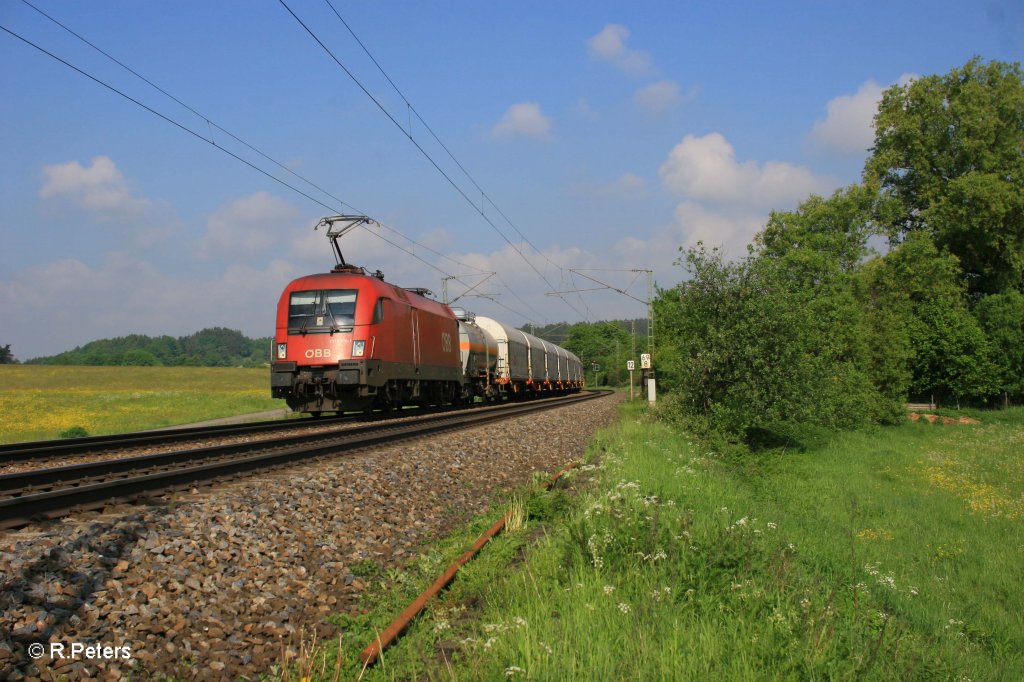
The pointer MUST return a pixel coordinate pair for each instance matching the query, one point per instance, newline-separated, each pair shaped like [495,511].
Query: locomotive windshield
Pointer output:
[321,311]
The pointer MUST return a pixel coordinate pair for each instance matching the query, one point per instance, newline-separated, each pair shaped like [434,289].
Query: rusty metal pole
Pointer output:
[372,652]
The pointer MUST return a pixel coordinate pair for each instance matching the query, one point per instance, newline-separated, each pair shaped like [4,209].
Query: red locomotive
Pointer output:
[349,341]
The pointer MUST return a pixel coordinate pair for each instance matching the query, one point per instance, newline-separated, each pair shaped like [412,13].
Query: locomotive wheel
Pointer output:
[316,415]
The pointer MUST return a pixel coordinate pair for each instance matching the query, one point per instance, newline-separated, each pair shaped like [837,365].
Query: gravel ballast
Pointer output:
[219,583]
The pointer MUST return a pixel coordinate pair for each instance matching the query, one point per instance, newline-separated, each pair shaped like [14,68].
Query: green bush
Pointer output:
[74,432]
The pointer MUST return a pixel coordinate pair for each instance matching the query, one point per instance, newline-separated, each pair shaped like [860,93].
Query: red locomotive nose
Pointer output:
[355,342]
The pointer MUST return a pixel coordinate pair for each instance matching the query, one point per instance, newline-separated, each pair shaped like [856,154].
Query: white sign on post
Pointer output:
[630,365]
[645,361]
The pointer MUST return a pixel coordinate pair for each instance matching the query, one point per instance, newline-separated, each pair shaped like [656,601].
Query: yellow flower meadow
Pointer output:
[869,534]
[38,402]
[982,498]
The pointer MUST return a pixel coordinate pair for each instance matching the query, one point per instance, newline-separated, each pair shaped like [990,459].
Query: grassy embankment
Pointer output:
[894,553]
[40,402]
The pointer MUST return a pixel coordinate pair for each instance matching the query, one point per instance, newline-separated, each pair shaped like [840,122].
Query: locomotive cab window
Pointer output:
[321,311]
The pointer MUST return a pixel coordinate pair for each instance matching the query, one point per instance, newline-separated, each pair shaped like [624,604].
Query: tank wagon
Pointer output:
[349,341]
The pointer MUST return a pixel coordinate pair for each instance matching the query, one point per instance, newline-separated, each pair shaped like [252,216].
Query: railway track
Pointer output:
[50,493]
[23,452]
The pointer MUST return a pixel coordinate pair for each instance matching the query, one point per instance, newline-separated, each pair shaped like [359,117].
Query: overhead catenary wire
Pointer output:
[210,140]
[213,124]
[341,204]
[423,151]
[426,125]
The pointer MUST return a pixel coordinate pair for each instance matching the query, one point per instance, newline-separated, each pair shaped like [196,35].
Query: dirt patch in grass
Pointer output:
[932,418]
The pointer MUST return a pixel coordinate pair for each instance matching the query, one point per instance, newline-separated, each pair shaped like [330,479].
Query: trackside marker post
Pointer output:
[645,364]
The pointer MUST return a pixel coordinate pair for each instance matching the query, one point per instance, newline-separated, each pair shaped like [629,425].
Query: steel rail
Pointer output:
[20,452]
[30,450]
[51,493]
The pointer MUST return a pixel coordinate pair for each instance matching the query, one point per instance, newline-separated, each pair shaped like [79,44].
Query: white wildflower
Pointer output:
[513,670]
[623,607]
[608,589]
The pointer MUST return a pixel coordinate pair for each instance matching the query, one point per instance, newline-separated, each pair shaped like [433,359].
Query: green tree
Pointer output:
[6,357]
[948,151]
[951,354]
[606,343]
[1001,316]
[919,291]
[779,337]
[215,347]
[138,357]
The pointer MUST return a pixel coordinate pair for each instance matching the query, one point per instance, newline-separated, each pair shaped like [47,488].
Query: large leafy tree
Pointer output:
[949,150]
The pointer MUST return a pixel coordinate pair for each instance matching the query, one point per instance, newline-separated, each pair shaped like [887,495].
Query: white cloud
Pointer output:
[705,169]
[848,126]
[658,97]
[522,120]
[610,46]
[731,228]
[248,226]
[100,188]
[100,193]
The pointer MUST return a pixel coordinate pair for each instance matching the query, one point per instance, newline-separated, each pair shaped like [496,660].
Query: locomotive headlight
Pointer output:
[282,351]
[358,348]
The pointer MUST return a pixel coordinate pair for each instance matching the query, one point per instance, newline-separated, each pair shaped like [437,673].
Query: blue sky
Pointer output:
[609,134]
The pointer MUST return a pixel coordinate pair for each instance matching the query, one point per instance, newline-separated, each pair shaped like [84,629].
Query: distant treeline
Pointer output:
[216,347]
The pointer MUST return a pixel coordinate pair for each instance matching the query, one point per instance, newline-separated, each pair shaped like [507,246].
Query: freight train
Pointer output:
[350,341]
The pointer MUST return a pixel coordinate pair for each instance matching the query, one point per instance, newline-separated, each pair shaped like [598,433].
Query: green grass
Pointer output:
[42,401]
[889,554]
